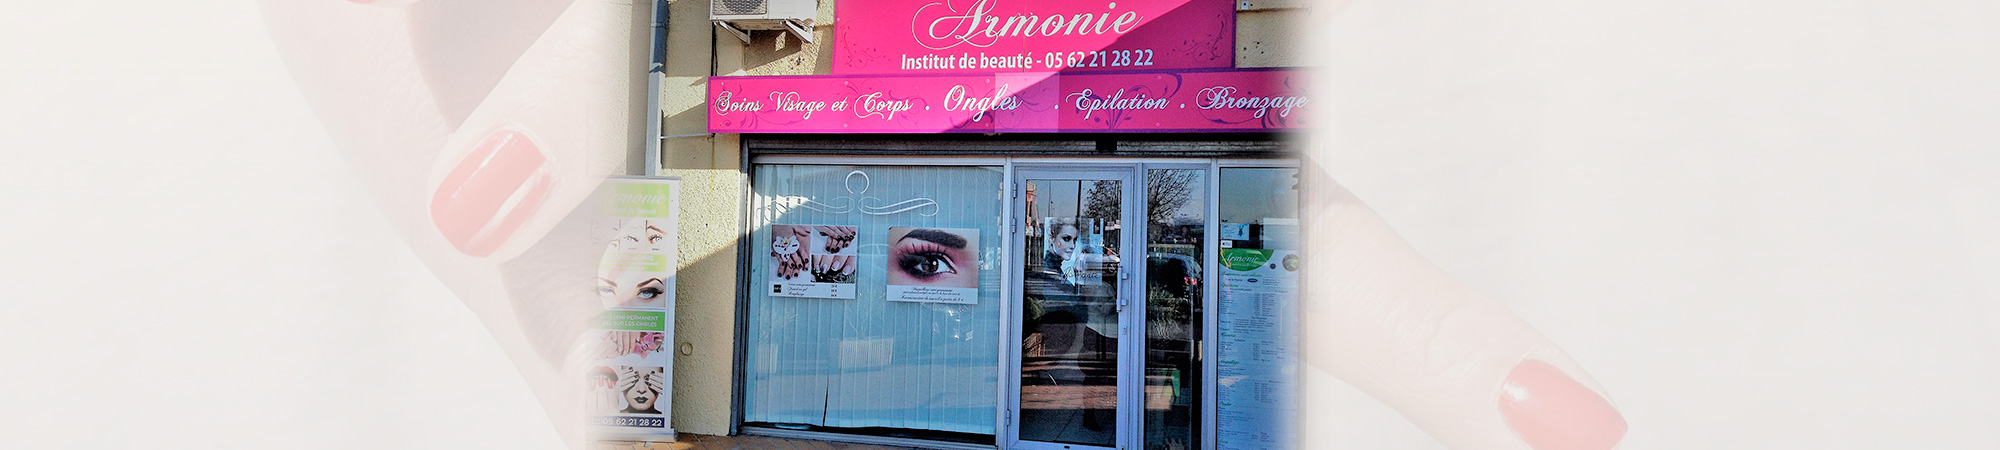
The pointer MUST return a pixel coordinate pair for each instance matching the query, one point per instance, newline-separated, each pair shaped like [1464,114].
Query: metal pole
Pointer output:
[655,77]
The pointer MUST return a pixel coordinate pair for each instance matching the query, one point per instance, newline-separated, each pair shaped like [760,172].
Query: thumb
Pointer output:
[1469,372]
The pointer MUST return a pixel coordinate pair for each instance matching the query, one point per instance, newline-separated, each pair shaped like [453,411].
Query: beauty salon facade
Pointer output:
[1072,232]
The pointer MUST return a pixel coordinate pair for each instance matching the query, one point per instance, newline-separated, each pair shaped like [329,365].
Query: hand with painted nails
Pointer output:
[657,380]
[626,377]
[837,237]
[601,399]
[479,127]
[1375,314]
[832,268]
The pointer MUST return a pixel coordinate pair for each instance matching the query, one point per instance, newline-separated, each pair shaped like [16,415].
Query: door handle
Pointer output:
[1124,292]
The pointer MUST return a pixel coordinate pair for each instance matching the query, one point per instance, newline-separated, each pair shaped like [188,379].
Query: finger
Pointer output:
[538,134]
[1468,371]
[387,92]
[466,194]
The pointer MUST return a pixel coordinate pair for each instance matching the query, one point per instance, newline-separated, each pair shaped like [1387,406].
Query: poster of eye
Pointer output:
[934,265]
[638,218]
[812,261]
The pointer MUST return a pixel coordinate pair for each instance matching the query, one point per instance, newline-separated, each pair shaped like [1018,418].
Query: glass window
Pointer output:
[1176,209]
[1257,295]
[875,298]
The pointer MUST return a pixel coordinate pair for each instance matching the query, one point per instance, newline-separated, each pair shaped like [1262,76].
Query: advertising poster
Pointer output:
[625,386]
[1075,247]
[934,265]
[626,378]
[812,261]
[1257,353]
[637,268]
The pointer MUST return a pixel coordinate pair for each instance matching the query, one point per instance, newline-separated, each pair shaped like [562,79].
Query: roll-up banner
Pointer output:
[628,378]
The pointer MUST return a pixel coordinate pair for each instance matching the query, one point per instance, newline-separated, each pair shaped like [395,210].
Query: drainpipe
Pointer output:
[655,77]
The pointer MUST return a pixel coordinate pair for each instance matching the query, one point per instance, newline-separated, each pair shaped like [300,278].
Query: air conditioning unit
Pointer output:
[740,16]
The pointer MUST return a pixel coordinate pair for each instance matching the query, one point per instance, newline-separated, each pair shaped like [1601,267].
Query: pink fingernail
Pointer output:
[1551,411]
[492,191]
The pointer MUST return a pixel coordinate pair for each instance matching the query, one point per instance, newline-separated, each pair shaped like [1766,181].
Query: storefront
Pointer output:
[1015,293]
[1002,245]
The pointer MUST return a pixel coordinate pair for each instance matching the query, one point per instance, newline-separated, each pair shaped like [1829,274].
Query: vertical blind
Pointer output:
[868,361]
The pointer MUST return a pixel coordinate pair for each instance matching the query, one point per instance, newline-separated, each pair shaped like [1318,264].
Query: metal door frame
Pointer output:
[1130,319]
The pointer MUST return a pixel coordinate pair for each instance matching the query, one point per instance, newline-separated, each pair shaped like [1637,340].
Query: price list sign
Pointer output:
[1257,353]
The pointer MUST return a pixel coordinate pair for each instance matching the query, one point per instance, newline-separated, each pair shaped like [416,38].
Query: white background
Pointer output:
[1760,224]
[189,263]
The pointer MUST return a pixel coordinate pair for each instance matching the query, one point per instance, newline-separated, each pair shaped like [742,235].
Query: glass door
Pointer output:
[1073,295]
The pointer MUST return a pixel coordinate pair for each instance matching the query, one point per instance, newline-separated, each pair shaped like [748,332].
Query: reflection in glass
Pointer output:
[1256,349]
[1259,208]
[1175,212]
[1069,325]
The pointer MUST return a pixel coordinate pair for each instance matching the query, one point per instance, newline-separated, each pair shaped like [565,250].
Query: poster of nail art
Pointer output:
[813,261]
[934,265]
[624,383]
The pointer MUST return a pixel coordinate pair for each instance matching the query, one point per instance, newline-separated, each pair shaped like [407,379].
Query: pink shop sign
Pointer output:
[987,36]
[1227,100]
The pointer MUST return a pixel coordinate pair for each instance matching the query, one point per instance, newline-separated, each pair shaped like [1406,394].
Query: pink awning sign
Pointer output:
[987,36]
[1252,100]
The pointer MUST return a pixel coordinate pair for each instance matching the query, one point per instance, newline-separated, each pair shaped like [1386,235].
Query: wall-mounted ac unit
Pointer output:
[740,16]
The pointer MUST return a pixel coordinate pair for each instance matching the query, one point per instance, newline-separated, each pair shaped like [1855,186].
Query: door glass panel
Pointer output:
[1069,320]
[1176,209]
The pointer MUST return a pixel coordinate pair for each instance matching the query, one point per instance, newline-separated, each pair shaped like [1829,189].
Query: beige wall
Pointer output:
[706,292]
[708,165]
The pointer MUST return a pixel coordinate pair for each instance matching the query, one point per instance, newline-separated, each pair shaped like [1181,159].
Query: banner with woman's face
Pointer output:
[1070,240]
[933,265]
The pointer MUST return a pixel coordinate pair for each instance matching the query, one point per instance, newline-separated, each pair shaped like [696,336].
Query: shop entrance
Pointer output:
[1076,382]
